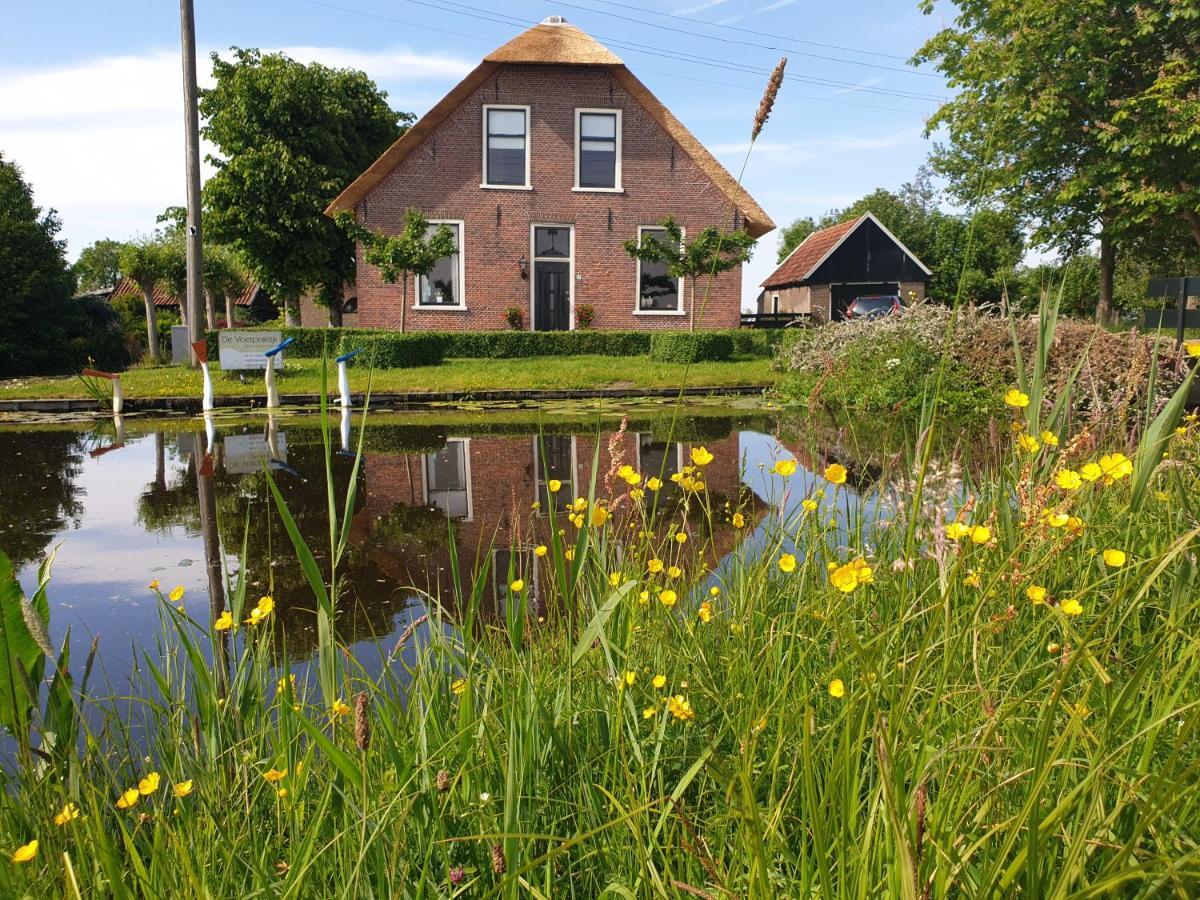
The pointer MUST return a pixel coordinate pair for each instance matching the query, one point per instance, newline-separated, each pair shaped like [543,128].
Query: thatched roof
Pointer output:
[555,42]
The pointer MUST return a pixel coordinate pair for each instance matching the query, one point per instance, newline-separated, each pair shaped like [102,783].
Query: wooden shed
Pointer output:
[833,266]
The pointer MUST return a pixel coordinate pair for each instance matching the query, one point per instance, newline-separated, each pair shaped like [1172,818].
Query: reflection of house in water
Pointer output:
[495,493]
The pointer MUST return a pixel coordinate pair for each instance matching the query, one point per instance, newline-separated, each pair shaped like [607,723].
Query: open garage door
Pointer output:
[842,295]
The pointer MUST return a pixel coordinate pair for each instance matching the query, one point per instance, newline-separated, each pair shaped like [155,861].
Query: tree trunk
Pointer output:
[210,309]
[1108,265]
[151,320]
[404,299]
[1192,217]
[692,303]
[229,309]
[291,311]
[335,312]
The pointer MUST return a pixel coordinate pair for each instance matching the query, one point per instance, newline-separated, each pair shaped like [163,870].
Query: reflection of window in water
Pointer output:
[658,458]
[523,564]
[554,459]
[448,479]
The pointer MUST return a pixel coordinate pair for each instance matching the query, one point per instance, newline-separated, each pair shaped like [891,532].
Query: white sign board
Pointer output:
[245,349]
[245,453]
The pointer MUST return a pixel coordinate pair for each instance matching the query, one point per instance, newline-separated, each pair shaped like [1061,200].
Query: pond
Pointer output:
[172,500]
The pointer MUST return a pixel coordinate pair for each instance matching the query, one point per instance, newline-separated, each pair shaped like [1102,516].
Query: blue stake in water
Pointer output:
[272,391]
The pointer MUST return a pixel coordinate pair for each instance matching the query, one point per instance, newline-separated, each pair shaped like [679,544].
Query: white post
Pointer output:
[118,429]
[272,437]
[346,414]
[206,404]
[272,391]
[343,385]
[210,431]
[118,397]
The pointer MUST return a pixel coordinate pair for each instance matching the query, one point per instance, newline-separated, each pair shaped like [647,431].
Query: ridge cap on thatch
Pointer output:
[554,42]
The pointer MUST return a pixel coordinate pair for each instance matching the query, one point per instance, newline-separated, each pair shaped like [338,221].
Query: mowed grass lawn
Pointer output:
[303,376]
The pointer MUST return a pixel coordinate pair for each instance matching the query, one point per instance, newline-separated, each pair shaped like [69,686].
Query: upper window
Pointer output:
[448,479]
[598,149]
[443,285]
[657,291]
[506,146]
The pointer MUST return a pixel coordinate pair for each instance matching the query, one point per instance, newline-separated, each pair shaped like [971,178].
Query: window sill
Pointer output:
[506,187]
[598,190]
[660,312]
[440,307]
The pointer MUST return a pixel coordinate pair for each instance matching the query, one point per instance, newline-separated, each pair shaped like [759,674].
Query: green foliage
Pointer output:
[290,137]
[99,265]
[690,346]
[793,235]
[396,351]
[710,251]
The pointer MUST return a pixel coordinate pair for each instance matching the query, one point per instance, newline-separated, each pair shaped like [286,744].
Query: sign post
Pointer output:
[200,348]
[118,399]
[272,391]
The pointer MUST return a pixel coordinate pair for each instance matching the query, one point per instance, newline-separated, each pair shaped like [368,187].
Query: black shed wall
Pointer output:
[868,255]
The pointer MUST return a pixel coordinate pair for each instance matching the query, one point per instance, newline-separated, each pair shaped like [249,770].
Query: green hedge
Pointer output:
[396,351]
[310,342]
[687,346]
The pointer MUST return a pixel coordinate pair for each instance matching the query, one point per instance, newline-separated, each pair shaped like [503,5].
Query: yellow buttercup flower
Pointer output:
[149,784]
[1071,607]
[667,597]
[1090,471]
[980,534]
[659,682]
[705,612]
[674,572]
[1115,466]
[153,585]
[25,853]
[540,550]
[637,494]
[182,789]
[569,554]
[614,578]
[643,598]
[1049,438]
[176,594]
[972,579]
[1074,525]
[680,708]
[787,563]
[739,520]
[837,689]
[1068,479]
[956,531]
[1028,443]
[1114,559]
[458,686]
[1036,593]
[339,708]
[1016,398]
[629,474]
[784,467]
[701,456]
[1055,519]
[266,605]
[517,585]
[630,678]
[274,776]
[128,798]
[1192,348]
[648,712]
[654,566]
[224,621]
[849,576]
[599,516]
[653,484]
[69,813]
[835,474]
[681,537]
[554,485]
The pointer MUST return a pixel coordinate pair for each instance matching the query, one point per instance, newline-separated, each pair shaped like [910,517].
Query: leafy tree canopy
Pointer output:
[99,265]
[291,137]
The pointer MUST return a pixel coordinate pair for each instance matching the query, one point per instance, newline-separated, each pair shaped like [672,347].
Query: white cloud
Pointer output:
[778,4]
[102,141]
[700,7]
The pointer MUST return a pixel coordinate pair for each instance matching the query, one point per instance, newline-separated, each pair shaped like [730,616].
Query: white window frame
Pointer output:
[466,450]
[461,306]
[637,282]
[533,258]
[616,188]
[538,471]
[527,186]
[638,447]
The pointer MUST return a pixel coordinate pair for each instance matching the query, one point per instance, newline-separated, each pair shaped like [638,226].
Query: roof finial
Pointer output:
[554,20]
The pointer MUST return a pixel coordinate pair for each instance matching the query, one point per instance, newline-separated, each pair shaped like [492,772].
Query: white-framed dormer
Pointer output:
[500,134]
[638,299]
[598,131]
[427,285]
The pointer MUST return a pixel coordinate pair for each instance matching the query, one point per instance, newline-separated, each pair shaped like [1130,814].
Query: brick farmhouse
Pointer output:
[543,161]
[831,267]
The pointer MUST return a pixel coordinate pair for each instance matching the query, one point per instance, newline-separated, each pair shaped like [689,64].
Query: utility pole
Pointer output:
[191,130]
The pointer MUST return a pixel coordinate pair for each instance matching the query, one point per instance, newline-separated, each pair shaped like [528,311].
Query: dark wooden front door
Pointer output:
[551,296]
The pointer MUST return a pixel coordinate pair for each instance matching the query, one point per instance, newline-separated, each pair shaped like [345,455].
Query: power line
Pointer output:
[727,40]
[502,19]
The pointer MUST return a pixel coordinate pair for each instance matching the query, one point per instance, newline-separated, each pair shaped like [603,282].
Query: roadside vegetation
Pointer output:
[983,683]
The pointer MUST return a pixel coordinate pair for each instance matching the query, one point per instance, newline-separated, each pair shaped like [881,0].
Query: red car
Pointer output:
[874,306]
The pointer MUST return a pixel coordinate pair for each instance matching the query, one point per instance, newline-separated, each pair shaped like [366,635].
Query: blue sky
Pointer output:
[90,93]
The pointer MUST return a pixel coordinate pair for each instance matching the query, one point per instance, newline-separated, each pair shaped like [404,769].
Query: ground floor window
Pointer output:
[657,290]
[448,479]
[443,285]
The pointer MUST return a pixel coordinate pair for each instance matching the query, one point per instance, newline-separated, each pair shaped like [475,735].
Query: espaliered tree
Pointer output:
[710,252]
[224,278]
[290,137]
[412,252]
[144,261]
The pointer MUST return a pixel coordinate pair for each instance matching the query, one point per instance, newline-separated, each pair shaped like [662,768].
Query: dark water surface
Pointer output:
[162,499]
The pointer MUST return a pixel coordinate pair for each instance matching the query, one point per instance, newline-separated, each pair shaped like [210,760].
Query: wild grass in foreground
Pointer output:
[990,691]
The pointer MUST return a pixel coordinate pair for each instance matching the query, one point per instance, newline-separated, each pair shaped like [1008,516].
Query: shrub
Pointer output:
[517,344]
[515,318]
[396,351]
[688,346]
[585,314]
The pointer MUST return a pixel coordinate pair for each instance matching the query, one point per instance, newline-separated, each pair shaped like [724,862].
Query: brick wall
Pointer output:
[441,177]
